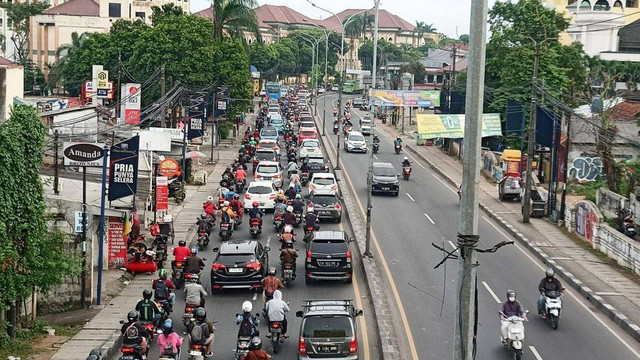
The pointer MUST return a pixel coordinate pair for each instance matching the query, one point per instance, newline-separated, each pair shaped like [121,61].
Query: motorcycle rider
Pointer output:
[237,207]
[406,162]
[204,224]
[247,321]
[277,311]
[304,168]
[133,333]
[336,125]
[511,307]
[241,175]
[376,139]
[225,182]
[397,142]
[298,204]
[281,196]
[194,293]
[148,309]
[169,340]
[310,219]
[226,214]
[256,213]
[162,288]
[289,218]
[270,284]
[292,166]
[209,206]
[180,253]
[287,235]
[291,192]
[193,264]
[256,352]
[280,208]
[288,255]
[548,283]
[201,332]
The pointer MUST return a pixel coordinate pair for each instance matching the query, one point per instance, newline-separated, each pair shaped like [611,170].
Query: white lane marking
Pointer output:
[376,157]
[411,197]
[430,219]
[414,160]
[268,240]
[255,296]
[535,353]
[493,294]
[578,300]
[452,245]
[444,183]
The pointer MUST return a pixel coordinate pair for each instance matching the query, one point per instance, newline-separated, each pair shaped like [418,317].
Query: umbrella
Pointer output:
[195,154]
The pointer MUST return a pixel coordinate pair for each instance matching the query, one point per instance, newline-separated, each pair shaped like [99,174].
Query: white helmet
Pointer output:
[226,203]
[406,158]
[290,208]
[210,198]
[247,306]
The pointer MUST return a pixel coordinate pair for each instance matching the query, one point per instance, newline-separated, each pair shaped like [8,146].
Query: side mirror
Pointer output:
[359,312]
[216,249]
[267,248]
[299,314]
[204,259]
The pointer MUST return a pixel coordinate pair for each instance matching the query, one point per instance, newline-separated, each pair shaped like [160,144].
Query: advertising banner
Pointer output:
[414,98]
[131,99]
[117,244]
[103,84]
[197,117]
[83,154]
[451,126]
[123,169]
[169,168]
[162,193]
[88,90]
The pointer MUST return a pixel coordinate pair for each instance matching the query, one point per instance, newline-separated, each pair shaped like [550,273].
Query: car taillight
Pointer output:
[272,197]
[254,266]
[277,176]
[256,176]
[127,350]
[353,347]
[348,256]
[302,347]
[337,206]
[246,196]
[308,255]
[218,267]
[334,187]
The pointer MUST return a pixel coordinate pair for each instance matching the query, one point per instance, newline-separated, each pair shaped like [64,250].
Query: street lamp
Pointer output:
[314,42]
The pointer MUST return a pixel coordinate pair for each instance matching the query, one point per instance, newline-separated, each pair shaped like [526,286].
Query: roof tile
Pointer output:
[75,8]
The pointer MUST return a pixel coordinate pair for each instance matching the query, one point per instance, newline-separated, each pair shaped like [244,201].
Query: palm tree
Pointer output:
[353,29]
[62,57]
[429,28]
[236,17]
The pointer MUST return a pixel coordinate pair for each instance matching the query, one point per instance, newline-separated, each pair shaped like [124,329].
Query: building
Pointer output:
[11,86]
[598,24]
[54,26]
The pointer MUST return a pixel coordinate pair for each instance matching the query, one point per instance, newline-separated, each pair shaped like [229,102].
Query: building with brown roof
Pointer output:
[11,85]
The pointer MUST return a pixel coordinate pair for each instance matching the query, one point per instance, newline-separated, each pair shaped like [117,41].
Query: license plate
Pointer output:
[266,178]
[236,270]
[385,188]
[224,226]
[327,349]
[329,263]
[261,204]
[276,330]
[195,353]
[324,213]
[127,357]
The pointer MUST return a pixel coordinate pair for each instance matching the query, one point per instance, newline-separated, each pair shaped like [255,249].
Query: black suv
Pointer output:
[385,179]
[328,257]
[317,165]
[328,330]
[239,265]
[360,103]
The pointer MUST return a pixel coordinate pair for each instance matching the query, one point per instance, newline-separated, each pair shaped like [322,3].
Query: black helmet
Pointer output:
[95,352]
[256,343]
[550,273]
[201,314]
[272,271]
[132,316]
[511,293]
[146,294]
[92,357]
[182,243]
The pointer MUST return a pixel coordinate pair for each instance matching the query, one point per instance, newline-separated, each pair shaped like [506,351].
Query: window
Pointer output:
[115,10]
[632,3]
[141,15]
[601,5]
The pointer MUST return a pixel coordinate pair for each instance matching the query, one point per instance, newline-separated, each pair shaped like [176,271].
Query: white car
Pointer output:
[303,93]
[334,88]
[320,90]
[264,192]
[355,142]
[310,147]
[307,125]
[323,182]
[269,171]
[366,126]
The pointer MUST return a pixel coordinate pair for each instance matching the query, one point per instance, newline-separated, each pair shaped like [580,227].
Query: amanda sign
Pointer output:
[169,168]
[83,154]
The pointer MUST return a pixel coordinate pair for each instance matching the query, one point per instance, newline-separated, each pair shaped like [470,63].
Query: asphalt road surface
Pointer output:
[423,298]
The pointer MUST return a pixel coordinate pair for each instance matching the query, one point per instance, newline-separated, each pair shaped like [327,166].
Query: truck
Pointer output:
[352,86]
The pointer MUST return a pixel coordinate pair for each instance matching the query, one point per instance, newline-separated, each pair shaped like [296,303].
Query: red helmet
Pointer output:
[255,204]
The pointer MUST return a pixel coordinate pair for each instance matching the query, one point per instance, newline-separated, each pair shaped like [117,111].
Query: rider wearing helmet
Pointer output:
[133,333]
[194,292]
[226,214]
[548,283]
[289,218]
[148,309]
[288,255]
[237,207]
[247,321]
[169,341]
[203,333]
[255,211]
[181,253]
[298,204]
[209,206]
[310,219]
[281,196]
[291,192]
[511,307]
[406,162]
[241,175]
[280,208]
[270,284]
[193,264]
[162,288]
[398,140]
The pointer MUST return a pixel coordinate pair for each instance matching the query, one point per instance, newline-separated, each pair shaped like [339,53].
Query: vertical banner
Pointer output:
[130,107]
[117,244]
[197,117]
[123,168]
[162,193]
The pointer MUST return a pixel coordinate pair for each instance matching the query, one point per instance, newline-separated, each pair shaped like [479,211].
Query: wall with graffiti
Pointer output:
[585,169]
[586,217]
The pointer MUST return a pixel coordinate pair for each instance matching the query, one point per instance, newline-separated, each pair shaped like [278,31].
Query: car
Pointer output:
[321,90]
[360,103]
[306,125]
[328,330]
[366,126]
[277,122]
[273,110]
[335,87]
[264,192]
[328,257]
[239,265]
[509,188]
[269,133]
[326,205]
[265,155]
[269,171]
[273,103]
[323,181]
[384,179]
[307,134]
[355,141]
[269,144]
[262,92]
[317,164]
[310,147]
[303,93]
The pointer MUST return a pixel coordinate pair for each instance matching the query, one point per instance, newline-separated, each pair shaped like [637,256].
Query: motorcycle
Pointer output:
[287,274]
[336,127]
[308,232]
[552,307]
[406,172]
[278,222]
[275,328]
[130,352]
[197,352]
[150,328]
[255,227]
[165,308]
[397,147]
[189,314]
[168,351]
[176,190]
[515,336]
[226,230]
[304,178]
[177,274]
[239,186]
[242,347]
[376,148]
[628,227]
[298,216]
[255,165]
[203,240]
[161,250]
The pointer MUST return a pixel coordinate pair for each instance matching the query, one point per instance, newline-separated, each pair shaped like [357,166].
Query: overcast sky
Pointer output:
[446,15]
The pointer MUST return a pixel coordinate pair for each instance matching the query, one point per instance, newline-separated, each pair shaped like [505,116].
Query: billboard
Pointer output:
[130,107]
[451,126]
[88,90]
[83,154]
[123,168]
[414,98]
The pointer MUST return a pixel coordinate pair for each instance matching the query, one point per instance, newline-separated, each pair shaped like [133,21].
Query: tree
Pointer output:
[265,58]
[62,56]
[417,69]
[234,16]
[353,26]
[464,38]
[159,13]
[19,14]
[231,67]
[31,257]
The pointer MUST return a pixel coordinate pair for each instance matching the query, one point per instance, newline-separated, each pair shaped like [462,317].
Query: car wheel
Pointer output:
[349,280]
[397,193]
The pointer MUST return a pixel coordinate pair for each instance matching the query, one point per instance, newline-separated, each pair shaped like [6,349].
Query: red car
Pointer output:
[307,134]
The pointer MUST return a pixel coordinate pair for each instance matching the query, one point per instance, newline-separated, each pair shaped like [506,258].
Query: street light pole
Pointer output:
[325,76]
[375,50]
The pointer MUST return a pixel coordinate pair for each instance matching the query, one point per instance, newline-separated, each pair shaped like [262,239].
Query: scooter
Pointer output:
[161,250]
[515,335]
[255,227]
[177,275]
[304,178]
[287,274]
[239,186]
[376,148]
[278,222]
[130,352]
[406,172]
[336,127]
[197,352]
[275,328]
[397,147]
[308,232]
[242,347]
[298,216]
[203,240]
[226,230]
[552,307]
[629,227]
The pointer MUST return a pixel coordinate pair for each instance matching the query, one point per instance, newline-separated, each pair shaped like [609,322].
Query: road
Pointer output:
[222,307]
[423,298]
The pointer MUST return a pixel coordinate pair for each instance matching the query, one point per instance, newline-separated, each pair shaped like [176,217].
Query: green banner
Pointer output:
[413,98]
[450,126]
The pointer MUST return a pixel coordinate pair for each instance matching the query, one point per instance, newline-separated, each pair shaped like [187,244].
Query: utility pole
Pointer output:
[337,167]
[526,210]
[83,276]
[465,321]
[119,89]
[367,249]
[56,177]
[324,83]
[566,176]
[375,49]
[162,94]
[452,77]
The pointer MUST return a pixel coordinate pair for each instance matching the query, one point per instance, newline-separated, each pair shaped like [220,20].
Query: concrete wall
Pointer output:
[11,85]
[624,250]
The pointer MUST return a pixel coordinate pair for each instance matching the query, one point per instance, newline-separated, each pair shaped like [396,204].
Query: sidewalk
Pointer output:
[603,285]
[103,331]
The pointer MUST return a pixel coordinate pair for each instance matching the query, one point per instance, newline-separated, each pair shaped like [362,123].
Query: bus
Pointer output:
[351,86]
[273,90]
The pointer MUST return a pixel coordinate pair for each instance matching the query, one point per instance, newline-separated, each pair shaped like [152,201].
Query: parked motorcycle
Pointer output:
[628,226]
[226,230]
[515,336]
[160,250]
[552,307]
[176,190]
[255,227]
[406,172]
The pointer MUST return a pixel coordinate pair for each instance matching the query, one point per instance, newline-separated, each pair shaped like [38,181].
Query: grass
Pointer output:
[25,344]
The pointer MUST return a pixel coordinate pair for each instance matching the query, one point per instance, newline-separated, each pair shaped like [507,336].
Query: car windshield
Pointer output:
[260,190]
[308,133]
[265,156]
[384,171]
[267,169]
[355,137]
[327,327]
[235,259]
[323,181]
[310,144]
[307,125]
[267,144]
[269,132]
[276,121]
[316,161]
[366,122]
[324,200]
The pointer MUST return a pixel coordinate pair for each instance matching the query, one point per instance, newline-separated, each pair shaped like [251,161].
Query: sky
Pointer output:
[450,17]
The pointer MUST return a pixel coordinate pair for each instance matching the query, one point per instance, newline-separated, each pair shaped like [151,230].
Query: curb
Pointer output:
[611,312]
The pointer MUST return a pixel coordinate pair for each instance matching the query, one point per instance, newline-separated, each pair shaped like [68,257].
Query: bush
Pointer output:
[225,128]
[588,190]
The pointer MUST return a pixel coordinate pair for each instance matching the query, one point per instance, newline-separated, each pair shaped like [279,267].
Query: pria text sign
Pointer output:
[123,168]
[83,154]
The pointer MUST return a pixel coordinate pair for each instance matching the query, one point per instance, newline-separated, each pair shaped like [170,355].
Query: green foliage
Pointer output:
[160,13]
[62,56]
[264,58]
[464,39]
[417,69]
[224,128]
[19,13]
[235,17]
[231,67]
[34,82]
[386,52]
[30,256]
[588,190]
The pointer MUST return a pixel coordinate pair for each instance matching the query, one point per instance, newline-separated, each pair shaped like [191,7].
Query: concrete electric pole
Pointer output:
[531,149]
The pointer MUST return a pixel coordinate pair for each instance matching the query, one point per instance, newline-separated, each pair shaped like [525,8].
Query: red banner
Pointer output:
[117,243]
[162,193]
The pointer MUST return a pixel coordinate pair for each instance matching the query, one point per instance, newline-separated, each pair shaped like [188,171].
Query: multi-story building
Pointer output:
[54,26]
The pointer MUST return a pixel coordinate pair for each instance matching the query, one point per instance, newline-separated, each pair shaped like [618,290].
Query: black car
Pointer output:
[385,179]
[360,104]
[328,257]
[239,265]
[317,165]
